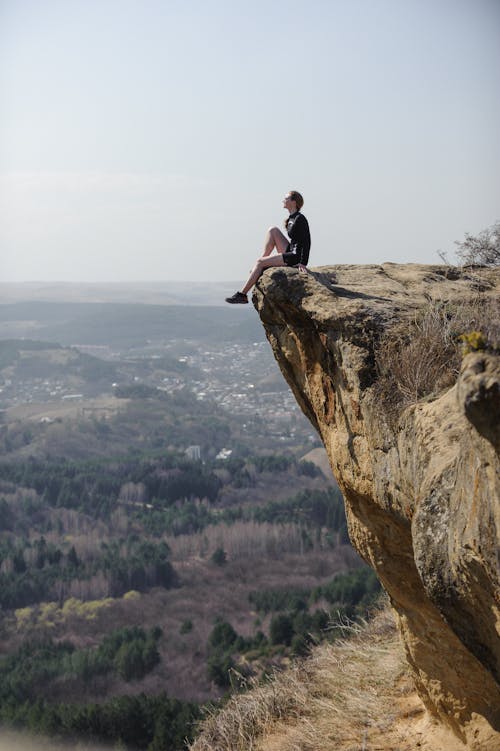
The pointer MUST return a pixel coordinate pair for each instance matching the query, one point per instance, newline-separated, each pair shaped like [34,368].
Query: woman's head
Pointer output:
[293,195]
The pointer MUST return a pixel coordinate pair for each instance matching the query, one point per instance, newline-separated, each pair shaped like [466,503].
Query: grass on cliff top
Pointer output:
[343,696]
[421,357]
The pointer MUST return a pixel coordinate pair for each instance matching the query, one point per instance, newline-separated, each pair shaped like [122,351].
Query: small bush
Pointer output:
[300,645]
[474,341]
[219,557]
[219,666]
[186,626]
[309,469]
[222,636]
[281,629]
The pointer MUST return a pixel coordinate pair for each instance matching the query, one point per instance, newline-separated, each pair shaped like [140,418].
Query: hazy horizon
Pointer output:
[118,292]
[156,141]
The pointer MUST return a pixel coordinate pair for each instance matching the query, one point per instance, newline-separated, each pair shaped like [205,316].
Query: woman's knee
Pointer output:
[278,238]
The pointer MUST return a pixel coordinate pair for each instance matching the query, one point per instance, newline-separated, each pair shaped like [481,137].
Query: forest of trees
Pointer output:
[33,571]
[350,594]
[296,624]
[167,490]
[160,722]
[72,532]
[137,721]
[93,487]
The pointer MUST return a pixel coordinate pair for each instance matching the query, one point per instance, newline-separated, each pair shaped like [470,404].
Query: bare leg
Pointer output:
[274,239]
[262,263]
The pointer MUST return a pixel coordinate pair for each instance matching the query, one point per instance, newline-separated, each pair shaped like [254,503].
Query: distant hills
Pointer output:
[126,324]
[151,293]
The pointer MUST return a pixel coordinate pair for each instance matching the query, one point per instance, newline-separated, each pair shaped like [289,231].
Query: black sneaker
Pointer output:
[237,298]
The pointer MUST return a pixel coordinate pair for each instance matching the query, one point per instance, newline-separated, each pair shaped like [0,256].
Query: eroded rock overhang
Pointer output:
[421,492]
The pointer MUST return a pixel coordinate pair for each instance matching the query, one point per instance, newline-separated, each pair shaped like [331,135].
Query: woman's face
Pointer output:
[289,204]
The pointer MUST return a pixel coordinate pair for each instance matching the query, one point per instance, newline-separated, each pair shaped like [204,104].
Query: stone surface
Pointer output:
[422,495]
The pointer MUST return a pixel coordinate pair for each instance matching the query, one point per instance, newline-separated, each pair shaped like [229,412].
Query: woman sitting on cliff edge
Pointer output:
[289,253]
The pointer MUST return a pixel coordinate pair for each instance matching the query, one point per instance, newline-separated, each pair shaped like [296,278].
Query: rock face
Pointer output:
[422,494]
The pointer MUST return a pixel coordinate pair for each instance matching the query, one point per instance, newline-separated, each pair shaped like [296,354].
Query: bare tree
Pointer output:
[482,249]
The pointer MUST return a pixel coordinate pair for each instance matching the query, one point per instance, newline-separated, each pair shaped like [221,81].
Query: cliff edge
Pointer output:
[422,488]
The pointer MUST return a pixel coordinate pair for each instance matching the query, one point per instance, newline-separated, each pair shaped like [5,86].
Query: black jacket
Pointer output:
[297,228]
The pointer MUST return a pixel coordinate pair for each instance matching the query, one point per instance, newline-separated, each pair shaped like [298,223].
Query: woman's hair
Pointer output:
[295,196]
[299,202]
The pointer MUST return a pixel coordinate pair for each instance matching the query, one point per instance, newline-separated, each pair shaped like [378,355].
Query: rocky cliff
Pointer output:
[422,488]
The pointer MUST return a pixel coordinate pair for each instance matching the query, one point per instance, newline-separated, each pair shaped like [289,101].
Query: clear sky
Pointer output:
[155,139]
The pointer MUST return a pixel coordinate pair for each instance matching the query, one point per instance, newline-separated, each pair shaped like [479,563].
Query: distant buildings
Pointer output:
[193,453]
[224,454]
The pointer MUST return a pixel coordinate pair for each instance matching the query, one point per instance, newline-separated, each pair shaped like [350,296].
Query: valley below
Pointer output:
[169,525]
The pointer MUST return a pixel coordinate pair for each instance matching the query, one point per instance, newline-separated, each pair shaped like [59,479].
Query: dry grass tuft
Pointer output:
[335,699]
[421,357]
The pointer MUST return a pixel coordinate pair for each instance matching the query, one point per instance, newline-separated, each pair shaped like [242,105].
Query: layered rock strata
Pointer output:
[422,491]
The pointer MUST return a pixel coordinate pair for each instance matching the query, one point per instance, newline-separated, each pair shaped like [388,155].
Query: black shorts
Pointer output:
[291,259]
